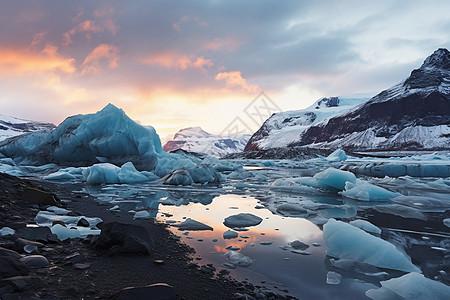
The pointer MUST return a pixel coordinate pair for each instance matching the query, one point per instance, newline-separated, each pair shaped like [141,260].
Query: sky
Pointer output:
[174,64]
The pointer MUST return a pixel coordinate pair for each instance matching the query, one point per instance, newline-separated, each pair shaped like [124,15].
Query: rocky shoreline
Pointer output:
[36,265]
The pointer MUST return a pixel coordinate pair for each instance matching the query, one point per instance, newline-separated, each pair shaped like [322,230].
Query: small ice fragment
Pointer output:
[245,236]
[229,266]
[29,248]
[58,210]
[446,222]
[143,214]
[299,245]
[265,243]
[316,244]
[214,240]
[234,248]
[115,207]
[6,231]
[238,259]
[333,278]
[366,226]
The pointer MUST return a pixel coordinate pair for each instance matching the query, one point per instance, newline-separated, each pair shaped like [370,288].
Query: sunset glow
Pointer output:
[208,61]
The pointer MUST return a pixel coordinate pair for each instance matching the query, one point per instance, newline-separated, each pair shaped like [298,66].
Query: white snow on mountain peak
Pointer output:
[12,126]
[195,139]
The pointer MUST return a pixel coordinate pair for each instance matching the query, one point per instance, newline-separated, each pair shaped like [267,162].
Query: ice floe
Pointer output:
[238,259]
[190,224]
[365,191]
[346,241]
[410,286]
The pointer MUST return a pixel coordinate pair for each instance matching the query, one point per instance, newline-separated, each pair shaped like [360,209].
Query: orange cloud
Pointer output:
[27,61]
[171,60]
[235,78]
[103,52]
[87,27]
[228,44]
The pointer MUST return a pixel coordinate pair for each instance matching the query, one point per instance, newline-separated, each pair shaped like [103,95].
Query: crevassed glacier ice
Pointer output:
[349,242]
[410,286]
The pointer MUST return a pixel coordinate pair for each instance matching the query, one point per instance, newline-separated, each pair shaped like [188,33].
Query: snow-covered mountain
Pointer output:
[411,115]
[284,128]
[195,139]
[11,126]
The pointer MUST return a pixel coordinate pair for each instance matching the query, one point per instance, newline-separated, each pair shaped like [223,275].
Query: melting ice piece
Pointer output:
[238,259]
[6,231]
[191,224]
[365,191]
[447,222]
[58,210]
[366,226]
[229,234]
[334,179]
[333,278]
[64,233]
[143,214]
[346,241]
[401,210]
[242,220]
[410,286]
[337,155]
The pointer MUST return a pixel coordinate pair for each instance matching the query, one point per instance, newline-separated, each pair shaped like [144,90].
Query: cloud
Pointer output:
[25,62]
[102,53]
[177,61]
[88,27]
[178,26]
[234,79]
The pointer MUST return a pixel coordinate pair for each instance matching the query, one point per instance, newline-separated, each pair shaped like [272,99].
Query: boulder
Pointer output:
[10,266]
[125,238]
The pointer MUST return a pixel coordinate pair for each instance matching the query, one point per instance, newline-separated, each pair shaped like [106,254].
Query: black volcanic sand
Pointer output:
[101,275]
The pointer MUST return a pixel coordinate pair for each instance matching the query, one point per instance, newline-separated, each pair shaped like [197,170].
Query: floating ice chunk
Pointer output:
[242,220]
[229,234]
[410,286]
[191,224]
[6,231]
[337,155]
[299,245]
[64,233]
[447,222]
[109,173]
[179,177]
[58,210]
[346,241]
[143,214]
[238,259]
[333,278]
[204,174]
[365,191]
[46,218]
[402,211]
[334,179]
[366,226]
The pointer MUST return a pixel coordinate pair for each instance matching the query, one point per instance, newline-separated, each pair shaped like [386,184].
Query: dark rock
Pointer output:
[75,258]
[158,291]
[35,261]
[21,296]
[83,223]
[36,196]
[130,238]
[207,269]
[81,266]
[11,267]
[224,272]
[20,243]
[58,222]
[9,253]
[39,234]
[23,283]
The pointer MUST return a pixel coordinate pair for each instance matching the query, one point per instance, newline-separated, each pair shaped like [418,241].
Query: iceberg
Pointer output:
[349,242]
[337,155]
[412,286]
[334,179]
[366,226]
[365,191]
